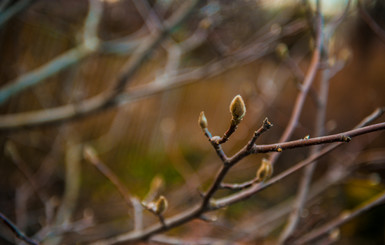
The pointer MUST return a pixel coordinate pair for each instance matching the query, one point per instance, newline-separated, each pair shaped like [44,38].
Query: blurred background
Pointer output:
[258,49]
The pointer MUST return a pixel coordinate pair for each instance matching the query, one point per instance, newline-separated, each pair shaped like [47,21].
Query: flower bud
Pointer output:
[265,171]
[237,108]
[161,205]
[282,51]
[202,120]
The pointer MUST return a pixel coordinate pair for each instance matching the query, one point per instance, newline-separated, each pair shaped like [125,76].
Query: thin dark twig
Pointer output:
[131,201]
[341,137]
[208,204]
[18,233]
[342,219]
[215,144]
[266,125]
[228,133]
[274,147]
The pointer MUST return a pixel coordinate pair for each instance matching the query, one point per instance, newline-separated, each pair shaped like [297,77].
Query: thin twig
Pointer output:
[266,125]
[342,219]
[130,201]
[207,204]
[91,156]
[18,233]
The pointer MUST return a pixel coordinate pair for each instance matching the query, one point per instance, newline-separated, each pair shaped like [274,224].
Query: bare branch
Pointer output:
[342,219]
[88,46]
[132,202]
[369,20]
[309,78]
[19,234]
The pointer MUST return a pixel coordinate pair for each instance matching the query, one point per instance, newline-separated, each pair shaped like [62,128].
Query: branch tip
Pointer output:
[267,124]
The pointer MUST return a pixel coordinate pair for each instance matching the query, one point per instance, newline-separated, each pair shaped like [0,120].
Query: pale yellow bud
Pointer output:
[161,205]
[202,120]
[265,170]
[282,51]
[237,108]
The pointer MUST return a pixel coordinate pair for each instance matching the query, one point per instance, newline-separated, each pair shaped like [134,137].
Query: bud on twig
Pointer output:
[282,51]
[158,207]
[161,205]
[237,109]
[265,171]
[202,120]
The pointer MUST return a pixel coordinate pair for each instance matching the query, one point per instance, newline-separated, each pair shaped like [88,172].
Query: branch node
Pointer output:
[345,138]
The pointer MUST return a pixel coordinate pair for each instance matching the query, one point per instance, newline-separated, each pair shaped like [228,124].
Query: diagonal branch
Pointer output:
[207,204]
[370,21]
[89,45]
[342,219]
[19,234]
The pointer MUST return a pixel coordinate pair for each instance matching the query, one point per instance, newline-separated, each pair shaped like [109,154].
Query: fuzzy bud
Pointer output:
[202,120]
[237,108]
[161,205]
[265,170]
[282,51]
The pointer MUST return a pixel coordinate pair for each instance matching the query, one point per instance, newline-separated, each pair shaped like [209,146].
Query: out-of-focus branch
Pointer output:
[108,99]
[370,21]
[132,202]
[98,103]
[89,45]
[16,8]
[72,186]
[18,233]
[309,78]
[208,204]
[342,219]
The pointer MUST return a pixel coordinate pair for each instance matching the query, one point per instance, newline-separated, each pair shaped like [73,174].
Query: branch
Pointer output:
[104,100]
[89,45]
[16,8]
[370,21]
[207,204]
[98,103]
[132,202]
[342,219]
[19,234]
[309,78]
